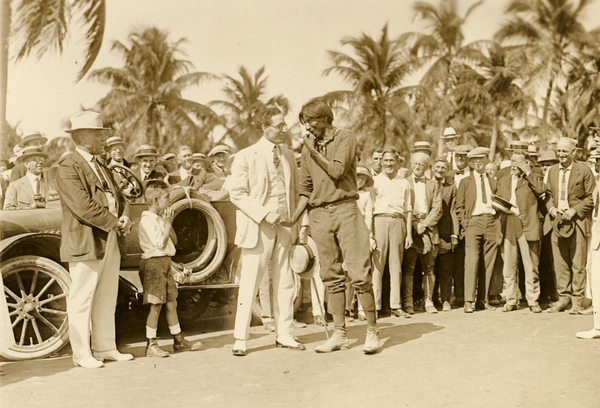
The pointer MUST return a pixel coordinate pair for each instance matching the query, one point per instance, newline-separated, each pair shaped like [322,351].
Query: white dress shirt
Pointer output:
[420,206]
[513,194]
[34,181]
[392,196]
[480,206]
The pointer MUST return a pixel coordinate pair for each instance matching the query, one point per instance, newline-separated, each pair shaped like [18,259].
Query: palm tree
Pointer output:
[442,54]
[244,102]
[42,25]
[546,36]
[377,107]
[145,103]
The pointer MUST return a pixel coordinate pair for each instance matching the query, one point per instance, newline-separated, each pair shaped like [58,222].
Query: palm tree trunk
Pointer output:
[494,141]
[547,101]
[4,40]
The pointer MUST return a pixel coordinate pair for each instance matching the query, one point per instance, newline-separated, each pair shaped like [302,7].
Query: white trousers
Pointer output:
[274,244]
[594,285]
[92,302]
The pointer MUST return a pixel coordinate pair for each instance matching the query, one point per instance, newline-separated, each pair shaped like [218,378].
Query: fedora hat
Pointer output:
[517,146]
[146,150]
[30,138]
[562,227]
[303,259]
[362,170]
[30,151]
[501,204]
[115,140]
[421,146]
[548,156]
[218,149]
[167,165]
[532,150]
[449,133]
[86,120]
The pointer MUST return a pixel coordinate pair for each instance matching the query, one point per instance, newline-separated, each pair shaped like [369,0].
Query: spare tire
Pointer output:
[201,234]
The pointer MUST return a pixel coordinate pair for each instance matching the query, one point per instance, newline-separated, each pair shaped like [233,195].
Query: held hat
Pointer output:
[30,138]
[478,152]
[450,133]
[146,150]
[517,146]
[501,204]
[462,149]
[115,140]
[421,146]
[548,156]
[30,151]
[86,120]
[362,170]
[303,259]
[562,227]
[218,149]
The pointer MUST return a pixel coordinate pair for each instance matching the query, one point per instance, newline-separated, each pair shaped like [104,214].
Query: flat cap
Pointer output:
[462,149]
[218,149]
[478,152]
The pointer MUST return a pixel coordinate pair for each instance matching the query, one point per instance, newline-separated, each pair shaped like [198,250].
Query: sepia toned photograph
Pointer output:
[333,203]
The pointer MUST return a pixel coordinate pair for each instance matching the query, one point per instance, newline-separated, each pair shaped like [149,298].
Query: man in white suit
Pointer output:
[264,188]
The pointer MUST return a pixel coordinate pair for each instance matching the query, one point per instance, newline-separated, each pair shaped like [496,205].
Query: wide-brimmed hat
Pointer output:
[303,259]
[115,140]
[169,166]
[365,172]
[462,149]
[548,156]
[421,146]
[30,138]
[478,152]
[86,120]
[517,146]
[30,151]
[562,227]
[532,150]
[146,150]
[450,133]
[218,149]
[501,204]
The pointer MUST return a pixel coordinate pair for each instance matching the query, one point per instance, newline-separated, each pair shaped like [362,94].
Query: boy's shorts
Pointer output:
[158,280]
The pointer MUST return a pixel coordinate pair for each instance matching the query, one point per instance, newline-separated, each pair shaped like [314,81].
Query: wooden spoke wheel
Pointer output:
[36,291]
[129,184]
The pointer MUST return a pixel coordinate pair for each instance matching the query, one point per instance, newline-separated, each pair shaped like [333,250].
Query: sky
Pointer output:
[289,37]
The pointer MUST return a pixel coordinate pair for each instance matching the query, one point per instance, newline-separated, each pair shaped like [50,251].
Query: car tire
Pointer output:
[36,290]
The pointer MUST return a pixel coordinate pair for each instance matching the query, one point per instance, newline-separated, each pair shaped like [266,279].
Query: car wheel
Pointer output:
[36,290]
[191,304]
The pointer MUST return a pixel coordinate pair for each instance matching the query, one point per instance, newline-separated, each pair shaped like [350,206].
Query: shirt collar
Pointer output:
[32,177]
[150,214]
[567,168]
[86,155]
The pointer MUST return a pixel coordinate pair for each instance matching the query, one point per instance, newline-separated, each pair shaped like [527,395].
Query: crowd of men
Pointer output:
[452,231]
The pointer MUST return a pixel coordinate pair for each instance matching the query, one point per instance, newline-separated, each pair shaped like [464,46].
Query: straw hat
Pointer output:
[30,151]
[450,133]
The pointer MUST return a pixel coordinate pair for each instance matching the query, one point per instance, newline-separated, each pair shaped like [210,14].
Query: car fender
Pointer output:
[45,244]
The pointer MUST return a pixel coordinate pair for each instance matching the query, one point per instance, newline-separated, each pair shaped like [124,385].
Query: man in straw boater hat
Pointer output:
[328,184]
[521,226]
[94,214]
[147,156]
[115,147]
[34,139]
[482,232]
[451,139]
[31,190]
[570,201]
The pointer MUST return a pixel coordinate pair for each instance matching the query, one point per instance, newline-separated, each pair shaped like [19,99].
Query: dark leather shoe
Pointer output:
[409,309]
[558,307]
[400,313]
[298,346]
[509,308]
[536,309]
[468,307]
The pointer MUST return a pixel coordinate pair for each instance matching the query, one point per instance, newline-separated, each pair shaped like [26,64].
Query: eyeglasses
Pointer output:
[280,127]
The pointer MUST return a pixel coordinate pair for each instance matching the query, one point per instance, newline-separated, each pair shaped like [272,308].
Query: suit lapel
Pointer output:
[87,169]
[573,177]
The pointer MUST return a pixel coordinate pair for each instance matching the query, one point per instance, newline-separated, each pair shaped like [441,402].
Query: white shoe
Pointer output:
[88,362]
[590,334]
[111,355]
[239,348]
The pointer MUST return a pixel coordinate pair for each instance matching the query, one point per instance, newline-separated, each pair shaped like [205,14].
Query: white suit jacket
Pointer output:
[249,188]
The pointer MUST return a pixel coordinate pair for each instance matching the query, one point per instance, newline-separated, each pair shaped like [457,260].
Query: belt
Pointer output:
[390,215]
[336,203]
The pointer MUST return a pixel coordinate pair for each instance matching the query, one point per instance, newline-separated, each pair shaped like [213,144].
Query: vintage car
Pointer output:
[36,282]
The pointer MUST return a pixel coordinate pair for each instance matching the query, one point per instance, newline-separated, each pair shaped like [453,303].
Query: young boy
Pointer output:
[157,241]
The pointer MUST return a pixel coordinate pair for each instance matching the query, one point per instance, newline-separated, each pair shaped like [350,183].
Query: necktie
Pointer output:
[275,157]
[37,185]
[100,174]
[483,193]
[563,185]
[596,204]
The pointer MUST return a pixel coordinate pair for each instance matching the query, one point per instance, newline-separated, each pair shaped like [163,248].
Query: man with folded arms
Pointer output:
[570,197]
[521,226]
[392,224]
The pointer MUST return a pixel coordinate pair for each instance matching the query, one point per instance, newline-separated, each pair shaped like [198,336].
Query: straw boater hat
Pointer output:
[450,133]
[365,172]
[146,150]
[421,146]
[115,140]
[31,138]
[303,260]
[549,156]
[86,120]
[219,149]
[501,204]
[30,151]
[478,152]
[517,146]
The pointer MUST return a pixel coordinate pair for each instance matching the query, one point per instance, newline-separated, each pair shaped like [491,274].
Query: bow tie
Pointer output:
[420,179]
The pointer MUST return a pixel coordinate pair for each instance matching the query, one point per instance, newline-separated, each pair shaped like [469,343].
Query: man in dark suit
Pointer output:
[147,155]
[570,197]
[94,212]
[521,226]
[185,158]
[476,216]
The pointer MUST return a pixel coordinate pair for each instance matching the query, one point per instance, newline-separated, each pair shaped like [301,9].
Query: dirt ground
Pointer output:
[452,359]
